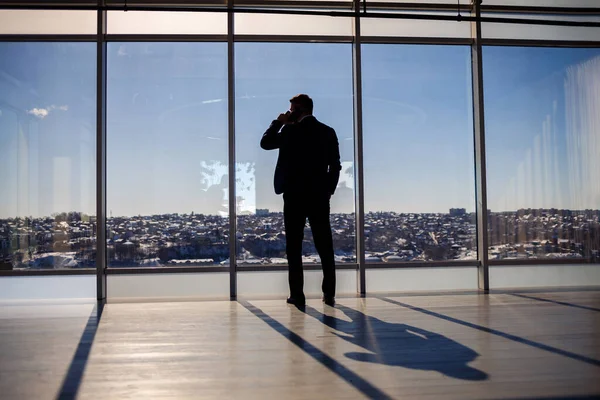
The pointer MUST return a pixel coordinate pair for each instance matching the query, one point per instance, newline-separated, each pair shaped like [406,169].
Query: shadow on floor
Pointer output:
[496,332]
[361,384]
[72,382]
[562,303]
[402,345]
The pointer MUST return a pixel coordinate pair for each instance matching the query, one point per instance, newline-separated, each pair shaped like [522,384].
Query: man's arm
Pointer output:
[271,139]
[335,166]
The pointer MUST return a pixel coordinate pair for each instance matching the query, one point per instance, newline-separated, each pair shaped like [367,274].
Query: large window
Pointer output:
[418,153]
[173,123]
[167,176]
[267,76]
[47,155]
[543,142]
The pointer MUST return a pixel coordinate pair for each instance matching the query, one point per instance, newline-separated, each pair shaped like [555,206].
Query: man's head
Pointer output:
[301,105]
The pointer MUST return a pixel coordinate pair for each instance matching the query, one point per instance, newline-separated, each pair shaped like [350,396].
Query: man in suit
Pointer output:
[307,173]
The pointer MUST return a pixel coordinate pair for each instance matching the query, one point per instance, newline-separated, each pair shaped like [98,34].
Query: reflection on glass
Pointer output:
[543,142]
[271,24]
[48,22]
[267,76]
[541,32]
[418,153]
[167,179]
[416,27]
[47,155]
[165,22]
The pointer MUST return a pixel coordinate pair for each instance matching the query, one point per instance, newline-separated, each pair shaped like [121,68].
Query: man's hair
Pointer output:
[304,102]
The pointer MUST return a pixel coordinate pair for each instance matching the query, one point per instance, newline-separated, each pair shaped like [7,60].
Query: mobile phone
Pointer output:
[293,116]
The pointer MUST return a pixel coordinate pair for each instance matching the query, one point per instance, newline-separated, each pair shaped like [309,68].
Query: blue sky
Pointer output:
[167,125]
[542,127]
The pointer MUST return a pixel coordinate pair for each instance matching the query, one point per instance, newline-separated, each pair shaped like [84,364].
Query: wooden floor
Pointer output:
[459,346]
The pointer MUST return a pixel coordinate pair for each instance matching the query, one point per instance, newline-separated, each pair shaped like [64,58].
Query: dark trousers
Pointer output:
[296,209]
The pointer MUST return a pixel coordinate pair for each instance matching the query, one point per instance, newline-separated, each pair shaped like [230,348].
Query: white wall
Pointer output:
[139,287]
[173,286]
[544,275]
[47,287]
[275,283]
[421,279]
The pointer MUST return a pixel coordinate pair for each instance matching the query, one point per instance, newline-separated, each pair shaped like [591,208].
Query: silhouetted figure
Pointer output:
[402,345]
[307,173]
[215,199]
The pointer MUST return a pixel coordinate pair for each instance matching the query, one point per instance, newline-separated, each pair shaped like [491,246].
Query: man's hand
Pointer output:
[284,117]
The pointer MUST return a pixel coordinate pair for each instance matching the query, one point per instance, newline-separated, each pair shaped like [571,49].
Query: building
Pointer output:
[457,212]
[118,118]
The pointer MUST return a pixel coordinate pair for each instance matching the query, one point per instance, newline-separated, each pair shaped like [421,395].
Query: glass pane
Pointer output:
[544,275]
[418,153]
[421,279]
[541,32]
[47,155]
[167,154]
[275,283]
[50,289]
[415,27]
[267,76]
[157,22]
[272,24]
[57,22]
[543,140]
[174,286]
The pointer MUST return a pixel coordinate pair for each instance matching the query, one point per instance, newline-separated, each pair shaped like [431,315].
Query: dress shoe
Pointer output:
[329,300]
[296,302]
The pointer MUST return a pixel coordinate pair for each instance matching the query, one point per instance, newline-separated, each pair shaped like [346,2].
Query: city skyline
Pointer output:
[68,240]
[167,126]
[258,212]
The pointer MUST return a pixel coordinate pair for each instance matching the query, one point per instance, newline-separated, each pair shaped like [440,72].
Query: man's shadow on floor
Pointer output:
[402,345]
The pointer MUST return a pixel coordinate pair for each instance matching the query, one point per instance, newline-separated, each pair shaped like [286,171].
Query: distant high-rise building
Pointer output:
[262,212]
[457,212]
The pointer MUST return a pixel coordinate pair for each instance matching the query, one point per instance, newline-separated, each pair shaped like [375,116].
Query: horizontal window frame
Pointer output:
[194,4]
[47,272]
[301,39]
[422,264]
[540,261]
[251,38]
[172,38]
[351,13]
[311,267]
[48,38]
[540,43]
[424,40]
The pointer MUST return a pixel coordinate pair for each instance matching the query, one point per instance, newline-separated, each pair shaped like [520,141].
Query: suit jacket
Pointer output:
[309,156]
